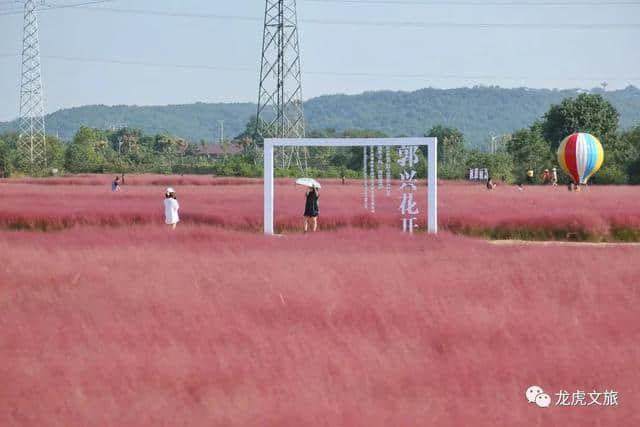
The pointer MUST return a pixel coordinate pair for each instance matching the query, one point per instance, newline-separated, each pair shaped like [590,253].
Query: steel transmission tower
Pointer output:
[280,113]
[31,142]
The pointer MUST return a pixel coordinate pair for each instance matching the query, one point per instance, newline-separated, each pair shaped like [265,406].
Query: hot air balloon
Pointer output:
[580,155]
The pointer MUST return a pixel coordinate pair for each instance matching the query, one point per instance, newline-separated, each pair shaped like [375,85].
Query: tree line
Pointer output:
[478,112]
[129,150]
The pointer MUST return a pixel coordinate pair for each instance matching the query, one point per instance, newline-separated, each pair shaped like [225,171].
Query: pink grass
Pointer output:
[237,203]
[204,327]
[133,179]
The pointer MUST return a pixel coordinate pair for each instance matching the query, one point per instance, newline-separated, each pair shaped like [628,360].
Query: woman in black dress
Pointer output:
[311,209]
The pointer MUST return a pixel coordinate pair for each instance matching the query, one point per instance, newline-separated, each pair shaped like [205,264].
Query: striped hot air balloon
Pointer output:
[580,155]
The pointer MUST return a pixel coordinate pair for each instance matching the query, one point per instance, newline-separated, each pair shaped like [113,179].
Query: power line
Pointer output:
[4,12]
[151,64]
[86,6]
[65,6]
[478,4]
[18,11]
[453,76]
[318,72]
[413,3]
[172,14]
[417,24]
[580,26]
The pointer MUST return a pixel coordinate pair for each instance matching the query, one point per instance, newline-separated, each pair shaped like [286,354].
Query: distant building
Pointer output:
[214,151]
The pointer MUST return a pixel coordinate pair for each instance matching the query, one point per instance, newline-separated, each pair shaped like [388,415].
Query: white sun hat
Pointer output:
[170,190]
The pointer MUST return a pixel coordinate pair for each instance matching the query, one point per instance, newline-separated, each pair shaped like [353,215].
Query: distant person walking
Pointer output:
[490,184]
[530,176]
[554,177]
[171,207]
[546,177]
[311,209]
[115,184]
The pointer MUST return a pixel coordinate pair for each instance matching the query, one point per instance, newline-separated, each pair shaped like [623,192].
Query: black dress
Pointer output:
[311,207]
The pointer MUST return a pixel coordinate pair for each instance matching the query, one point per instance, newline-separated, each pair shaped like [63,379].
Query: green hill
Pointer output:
[478,112]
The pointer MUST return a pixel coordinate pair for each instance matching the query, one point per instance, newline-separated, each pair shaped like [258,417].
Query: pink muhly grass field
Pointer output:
[537,212]
[205,326]
[146,179]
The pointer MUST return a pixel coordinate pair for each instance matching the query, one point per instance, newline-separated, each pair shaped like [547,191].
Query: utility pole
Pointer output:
[280,113]
[221,126]
[32,137]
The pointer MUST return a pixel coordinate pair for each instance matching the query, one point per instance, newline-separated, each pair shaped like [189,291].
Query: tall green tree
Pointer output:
[13,163]
[451,152]
[250,131]
[529,149]
[87,134]
[500,164]
[250,141]
[86,153]
[4,159]
[83,157]
[630,151]
[125,140]
[55,153]
[585,113]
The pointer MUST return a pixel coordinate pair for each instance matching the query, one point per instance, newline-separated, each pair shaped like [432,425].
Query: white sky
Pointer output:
[87,53]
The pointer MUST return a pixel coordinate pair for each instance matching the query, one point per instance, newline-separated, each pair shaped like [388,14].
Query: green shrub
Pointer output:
[611,174]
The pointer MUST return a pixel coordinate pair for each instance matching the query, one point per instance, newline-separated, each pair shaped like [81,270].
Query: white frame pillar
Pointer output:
[432,162]
[268,187]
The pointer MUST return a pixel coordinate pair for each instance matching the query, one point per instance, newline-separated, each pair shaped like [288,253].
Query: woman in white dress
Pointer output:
[171,207]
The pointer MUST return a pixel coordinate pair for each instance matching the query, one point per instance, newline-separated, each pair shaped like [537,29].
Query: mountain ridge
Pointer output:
[478,112]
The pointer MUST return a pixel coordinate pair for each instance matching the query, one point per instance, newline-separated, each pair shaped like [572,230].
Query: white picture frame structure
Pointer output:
[432,159]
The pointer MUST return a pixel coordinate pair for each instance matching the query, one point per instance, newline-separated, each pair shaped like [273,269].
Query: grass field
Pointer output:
[109,319]
[542,213]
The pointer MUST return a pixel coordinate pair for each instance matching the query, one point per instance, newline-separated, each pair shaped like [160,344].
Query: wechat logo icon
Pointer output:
[535,394]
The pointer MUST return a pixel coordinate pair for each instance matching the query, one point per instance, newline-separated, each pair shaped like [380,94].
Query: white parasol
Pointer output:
[308,182]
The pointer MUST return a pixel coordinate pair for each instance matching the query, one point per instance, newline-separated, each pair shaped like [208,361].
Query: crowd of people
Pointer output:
[548,177]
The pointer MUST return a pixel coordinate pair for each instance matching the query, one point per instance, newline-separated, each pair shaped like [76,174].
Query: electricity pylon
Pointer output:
[31,140]
[280,113]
